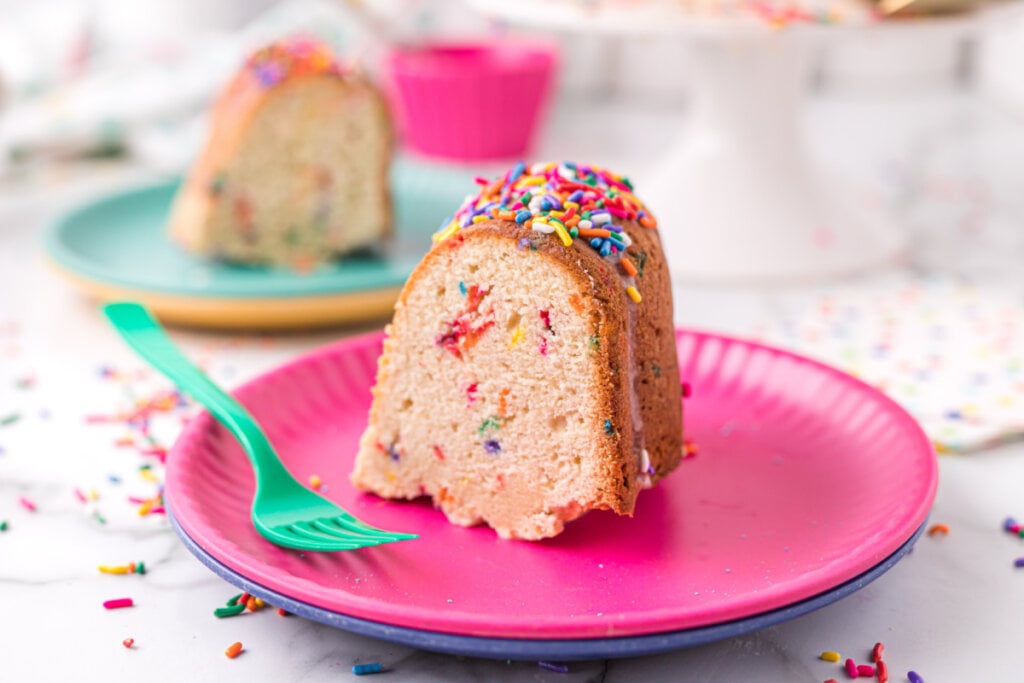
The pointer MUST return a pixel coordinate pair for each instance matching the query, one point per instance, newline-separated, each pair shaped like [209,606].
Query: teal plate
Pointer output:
[117,248]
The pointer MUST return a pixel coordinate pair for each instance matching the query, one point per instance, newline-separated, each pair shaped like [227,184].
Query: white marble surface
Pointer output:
[948,163]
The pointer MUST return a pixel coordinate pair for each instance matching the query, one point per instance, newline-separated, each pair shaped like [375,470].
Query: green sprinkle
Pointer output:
[233,601]
[526,199]
[100,518]
[617,236]
[574,232]
[594,341]
[3,525]
[585,216]
[462,288]
[627,182]
[9,419]
[641,262]
[489,423]
[140,568]
[232,611]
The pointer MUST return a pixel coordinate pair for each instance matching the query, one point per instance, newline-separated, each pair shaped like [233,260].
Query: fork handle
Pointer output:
[145,335]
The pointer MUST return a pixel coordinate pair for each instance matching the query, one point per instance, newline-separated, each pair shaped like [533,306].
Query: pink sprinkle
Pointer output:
[866,670]
[851,669]
[157,511]
[27,504]
[135,500]
[118,603]
[80,496]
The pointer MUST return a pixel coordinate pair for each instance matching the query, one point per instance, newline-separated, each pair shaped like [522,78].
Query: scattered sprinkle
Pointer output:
[914,677]
[315,482]
[866,671]
[830,656]
[9,419]
[851,669]
[118,603]
[230,611]
[938,529]
[876,652]
[554,666]
[3,525]
[27,504]
[1019,562]
[366,669]
[234,649]
[128,642]
[882,671]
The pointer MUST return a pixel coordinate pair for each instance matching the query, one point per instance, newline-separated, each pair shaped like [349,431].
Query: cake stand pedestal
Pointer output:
[740,197]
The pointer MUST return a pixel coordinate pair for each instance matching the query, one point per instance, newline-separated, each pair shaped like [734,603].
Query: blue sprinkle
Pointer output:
[393,452]
[114,479]
[612,227]
[522,216]
[1009,523]
[545,205]
[595,242]
[517,171]
[606,247]
[553,201]
[954,415]
[523,243]
[608,428]
[363,669]
[569,164]
[554,666]
[462,288]
[575,196]
[492,446]
[914,677]
[641,213]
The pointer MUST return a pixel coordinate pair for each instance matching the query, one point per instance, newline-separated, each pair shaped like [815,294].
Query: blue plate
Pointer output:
[558,650]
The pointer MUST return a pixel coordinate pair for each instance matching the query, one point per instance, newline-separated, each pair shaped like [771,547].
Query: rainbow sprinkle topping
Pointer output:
[571,201]
[293,56]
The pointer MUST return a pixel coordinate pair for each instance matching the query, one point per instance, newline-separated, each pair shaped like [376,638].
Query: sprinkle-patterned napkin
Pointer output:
[951,354]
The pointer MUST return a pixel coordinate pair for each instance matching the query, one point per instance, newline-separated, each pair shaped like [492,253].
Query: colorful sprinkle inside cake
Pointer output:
[296,168]
[530,373]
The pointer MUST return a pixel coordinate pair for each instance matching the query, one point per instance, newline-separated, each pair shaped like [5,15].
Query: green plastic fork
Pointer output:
[284,511]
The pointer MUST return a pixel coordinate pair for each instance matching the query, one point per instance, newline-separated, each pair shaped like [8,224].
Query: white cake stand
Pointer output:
[739,195]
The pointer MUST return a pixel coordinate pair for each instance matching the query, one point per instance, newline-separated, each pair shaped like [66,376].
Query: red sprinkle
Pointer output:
[831,680]
[883,671]
[282,612]
[851,669]
[866,670]
[27,504]
[118,603]
[876,652]
[128,642]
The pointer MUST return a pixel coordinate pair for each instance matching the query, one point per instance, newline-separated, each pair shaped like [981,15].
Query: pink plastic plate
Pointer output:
[806,479]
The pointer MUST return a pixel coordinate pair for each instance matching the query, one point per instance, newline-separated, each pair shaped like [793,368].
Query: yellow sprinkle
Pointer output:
[563,235]
[145,508]
[315,482]
[571,205]
[517,336]
[633,294]
[447,232]
[391,476]
[112,570]
[480,219]
[532,180]
[94,494]
[149,476]
[830,656]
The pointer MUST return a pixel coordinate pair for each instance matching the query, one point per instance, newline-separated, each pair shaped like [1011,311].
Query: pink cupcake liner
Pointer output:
[471,100]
